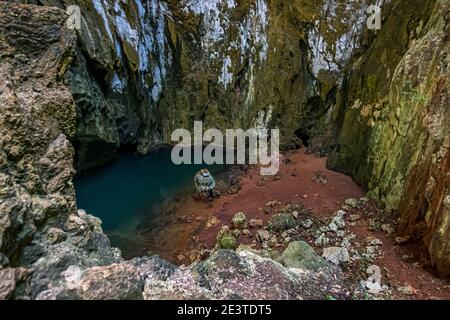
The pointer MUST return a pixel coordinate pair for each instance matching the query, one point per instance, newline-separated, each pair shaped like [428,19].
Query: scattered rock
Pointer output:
[322,241]
[389,229]
[354,218]
[282,221]
[336,255]
[373,241]
[307,223]
[351,202]
[256,223]
[225,239]
[402,240]
[212,222]
[263,235]
[319,178]
[407,290]
[239,220]
[300,255]
[338,219]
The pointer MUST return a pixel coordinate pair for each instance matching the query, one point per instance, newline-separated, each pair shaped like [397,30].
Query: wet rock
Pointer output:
[239,220]
[300,255]
[336,255]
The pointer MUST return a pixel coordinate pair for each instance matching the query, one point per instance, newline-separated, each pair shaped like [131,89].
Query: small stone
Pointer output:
[295,214]
[338,219]
[239,220]
[212,222]
[402,240]
[181,257]
[256,223]
[407,290]
[373,241]
[246,233]
[336,255]
[55,235]
[227,241]
[388,228]
[307,224]
[354,217]
[194,255]
[271,203]
[236,233]
[282,221]
[263,235]
[351,202]
[287,240]
[373,287]
[322,241]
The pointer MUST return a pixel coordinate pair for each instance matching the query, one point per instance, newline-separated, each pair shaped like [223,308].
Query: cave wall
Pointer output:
[394,123]
[146,67]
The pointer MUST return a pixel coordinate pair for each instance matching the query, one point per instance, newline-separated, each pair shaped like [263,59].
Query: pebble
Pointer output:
[255,223]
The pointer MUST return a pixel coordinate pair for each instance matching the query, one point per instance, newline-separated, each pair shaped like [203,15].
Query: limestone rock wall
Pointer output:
[393,116]
[146,67]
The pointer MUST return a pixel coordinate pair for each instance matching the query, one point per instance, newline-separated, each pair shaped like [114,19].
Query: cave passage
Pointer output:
[133,188]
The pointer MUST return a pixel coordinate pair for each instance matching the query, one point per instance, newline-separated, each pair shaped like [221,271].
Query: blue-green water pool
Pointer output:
[133,187]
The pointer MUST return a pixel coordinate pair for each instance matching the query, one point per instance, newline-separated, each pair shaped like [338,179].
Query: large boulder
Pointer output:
[300,255]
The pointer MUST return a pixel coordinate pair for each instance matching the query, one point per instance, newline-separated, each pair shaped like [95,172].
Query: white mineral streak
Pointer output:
[227,76]
[217,41]
[100,6]
[333,56]
[146,36]
[118,84]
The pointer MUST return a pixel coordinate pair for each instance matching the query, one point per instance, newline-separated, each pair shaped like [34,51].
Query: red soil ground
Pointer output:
[186,229]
